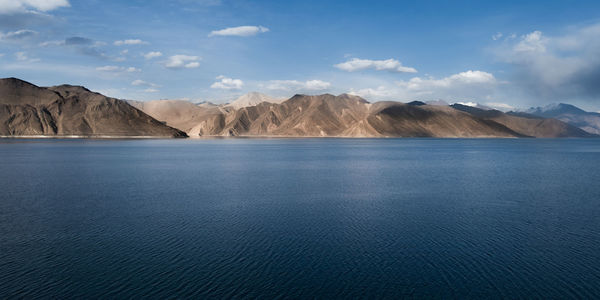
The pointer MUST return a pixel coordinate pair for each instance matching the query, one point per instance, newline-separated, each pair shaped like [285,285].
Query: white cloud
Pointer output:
[139,82]
[391,65]
[533,42]
[379,93]
[130,42]
[23,57]
[463,78]
[15,6]
[295,85]
[239,31]
[108,68]
[117,69]
[182,61]
[465,85]
[500,106]
[555,68]
[497,36]
[151,90]
[152,54]
[226,83]
[18,35]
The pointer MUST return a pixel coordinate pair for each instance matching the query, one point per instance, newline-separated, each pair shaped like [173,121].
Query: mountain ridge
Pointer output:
[26,109]
[67,110]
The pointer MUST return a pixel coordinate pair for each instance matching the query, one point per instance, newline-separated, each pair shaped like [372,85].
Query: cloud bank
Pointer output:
[556,68]
[472,85]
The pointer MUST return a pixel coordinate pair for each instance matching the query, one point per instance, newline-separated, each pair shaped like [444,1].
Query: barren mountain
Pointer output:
[588,121]
[26,109]
[342,116]
[252,99]
[525,124]
[179,114]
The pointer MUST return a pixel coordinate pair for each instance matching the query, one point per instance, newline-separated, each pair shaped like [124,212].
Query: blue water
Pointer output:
[300,218]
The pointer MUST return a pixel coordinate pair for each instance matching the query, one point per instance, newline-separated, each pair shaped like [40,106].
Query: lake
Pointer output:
[300,218]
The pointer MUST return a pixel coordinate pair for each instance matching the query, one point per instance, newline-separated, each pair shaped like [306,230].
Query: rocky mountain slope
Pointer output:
[588,121]
[526,124]
[29,110]
[342,116]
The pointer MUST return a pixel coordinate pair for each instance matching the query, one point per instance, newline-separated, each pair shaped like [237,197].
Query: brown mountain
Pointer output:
[336,116]
[526,124]
[179,114]
[29,110]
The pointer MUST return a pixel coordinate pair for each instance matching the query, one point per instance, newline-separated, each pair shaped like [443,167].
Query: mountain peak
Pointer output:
[555,109]
[251,99]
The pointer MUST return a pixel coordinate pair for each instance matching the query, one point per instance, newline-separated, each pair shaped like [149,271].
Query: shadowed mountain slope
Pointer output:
[527,124]
[588,121]
[342,116]
[29,110]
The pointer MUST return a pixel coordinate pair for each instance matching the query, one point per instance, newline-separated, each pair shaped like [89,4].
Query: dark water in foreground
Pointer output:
[300,218]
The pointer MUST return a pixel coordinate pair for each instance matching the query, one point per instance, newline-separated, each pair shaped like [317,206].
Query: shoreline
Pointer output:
[87,137]
[108,137]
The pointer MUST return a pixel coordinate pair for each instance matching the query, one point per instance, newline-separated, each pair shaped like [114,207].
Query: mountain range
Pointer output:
[588,121]
[28,110]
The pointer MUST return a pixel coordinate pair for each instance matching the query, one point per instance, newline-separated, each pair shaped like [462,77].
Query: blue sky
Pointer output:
[503,54]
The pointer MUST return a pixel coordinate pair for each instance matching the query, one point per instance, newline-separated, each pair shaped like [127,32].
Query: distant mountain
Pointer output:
[588,121]
[29,110]
[180,114]
[343,116]
[526,124]
[252,99]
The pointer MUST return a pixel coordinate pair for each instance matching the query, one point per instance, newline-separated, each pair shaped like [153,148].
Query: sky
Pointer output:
[503,54]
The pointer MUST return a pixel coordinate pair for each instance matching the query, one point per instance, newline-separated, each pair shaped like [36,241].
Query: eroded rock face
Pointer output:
[26,109]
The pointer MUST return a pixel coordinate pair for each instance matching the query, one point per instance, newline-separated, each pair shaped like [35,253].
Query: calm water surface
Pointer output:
[299,218]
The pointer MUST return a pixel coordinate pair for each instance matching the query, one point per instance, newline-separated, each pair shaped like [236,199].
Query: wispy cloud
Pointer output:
[391,65]
[18,35]
[295,85]
[130,42]
[152,54]
[239,31]
[225,83]
[15,6]
[139,82]
[117,69]
[23,57]
[474,85]
[182,61]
